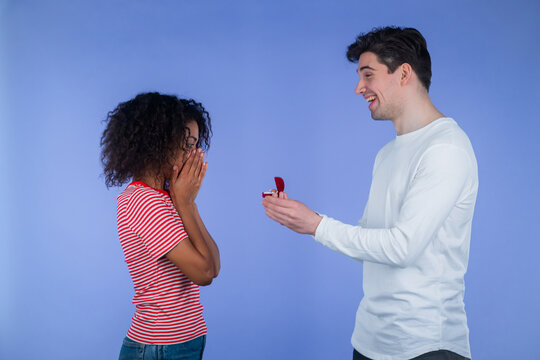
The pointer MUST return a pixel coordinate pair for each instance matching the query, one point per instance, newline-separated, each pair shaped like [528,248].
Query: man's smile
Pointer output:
[371,100]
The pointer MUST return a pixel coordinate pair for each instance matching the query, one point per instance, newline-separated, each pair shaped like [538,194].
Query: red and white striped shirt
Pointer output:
[167,307]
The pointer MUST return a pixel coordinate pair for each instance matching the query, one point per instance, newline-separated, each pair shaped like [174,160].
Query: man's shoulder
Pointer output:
[448,138]
[447,132]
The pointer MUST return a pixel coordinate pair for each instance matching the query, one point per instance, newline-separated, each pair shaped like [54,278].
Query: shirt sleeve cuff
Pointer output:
[321,229]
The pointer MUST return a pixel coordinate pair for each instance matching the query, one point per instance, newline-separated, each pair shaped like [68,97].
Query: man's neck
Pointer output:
[417,113]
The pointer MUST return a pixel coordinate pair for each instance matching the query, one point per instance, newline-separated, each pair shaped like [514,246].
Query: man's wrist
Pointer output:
[317,220]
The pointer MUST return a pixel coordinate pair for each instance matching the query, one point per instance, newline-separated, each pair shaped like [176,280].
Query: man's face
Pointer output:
[378,87]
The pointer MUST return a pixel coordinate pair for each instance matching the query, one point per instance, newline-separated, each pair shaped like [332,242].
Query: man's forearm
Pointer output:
[385,246]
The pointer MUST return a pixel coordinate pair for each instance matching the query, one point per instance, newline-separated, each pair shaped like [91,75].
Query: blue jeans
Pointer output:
[189,350]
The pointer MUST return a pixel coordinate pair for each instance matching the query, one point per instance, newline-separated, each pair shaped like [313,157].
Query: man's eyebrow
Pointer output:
[364,68]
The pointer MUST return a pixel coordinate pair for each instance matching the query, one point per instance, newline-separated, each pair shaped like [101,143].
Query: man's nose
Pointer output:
[360,88]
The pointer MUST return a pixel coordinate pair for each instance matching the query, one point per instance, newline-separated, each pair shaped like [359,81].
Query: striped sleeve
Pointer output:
[155,222]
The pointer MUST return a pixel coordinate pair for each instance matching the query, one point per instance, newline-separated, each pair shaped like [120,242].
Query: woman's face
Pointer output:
[191,139]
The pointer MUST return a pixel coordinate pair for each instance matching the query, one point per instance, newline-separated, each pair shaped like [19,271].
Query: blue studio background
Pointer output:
[274,77]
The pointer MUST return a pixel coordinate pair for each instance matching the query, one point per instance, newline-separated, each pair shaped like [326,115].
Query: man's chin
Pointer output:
[375,116]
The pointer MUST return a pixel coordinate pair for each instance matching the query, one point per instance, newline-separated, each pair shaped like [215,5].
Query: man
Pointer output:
[413,238]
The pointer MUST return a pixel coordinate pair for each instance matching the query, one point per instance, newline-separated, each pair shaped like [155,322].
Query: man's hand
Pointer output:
[292,214]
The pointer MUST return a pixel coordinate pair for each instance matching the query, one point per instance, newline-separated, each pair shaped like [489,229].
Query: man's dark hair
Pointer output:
[145,134]
[395,46]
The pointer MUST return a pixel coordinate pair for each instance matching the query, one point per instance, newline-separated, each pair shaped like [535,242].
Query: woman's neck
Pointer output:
[152,181]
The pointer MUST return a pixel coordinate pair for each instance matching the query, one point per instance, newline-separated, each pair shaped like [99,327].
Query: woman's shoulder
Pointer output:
[137,195]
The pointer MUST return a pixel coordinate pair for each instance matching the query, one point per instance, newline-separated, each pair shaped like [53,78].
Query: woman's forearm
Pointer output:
[191,220]
[209,241]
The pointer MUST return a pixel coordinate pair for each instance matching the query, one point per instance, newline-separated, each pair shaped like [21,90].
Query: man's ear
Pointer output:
[406,73]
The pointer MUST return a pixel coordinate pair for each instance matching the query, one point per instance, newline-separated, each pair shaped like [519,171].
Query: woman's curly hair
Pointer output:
[143,135]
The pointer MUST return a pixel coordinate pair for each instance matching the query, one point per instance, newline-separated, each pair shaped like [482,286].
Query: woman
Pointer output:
[156,143]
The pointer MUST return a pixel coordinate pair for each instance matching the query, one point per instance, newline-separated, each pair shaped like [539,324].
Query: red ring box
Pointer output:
[280,186]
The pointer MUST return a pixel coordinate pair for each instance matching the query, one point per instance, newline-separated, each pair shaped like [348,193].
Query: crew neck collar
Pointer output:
[142,184]
[400,139]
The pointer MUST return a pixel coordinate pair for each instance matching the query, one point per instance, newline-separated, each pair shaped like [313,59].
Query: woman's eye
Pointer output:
[367,75]
[190,146]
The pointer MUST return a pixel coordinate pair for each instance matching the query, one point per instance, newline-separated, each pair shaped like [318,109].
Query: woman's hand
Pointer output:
[197,256]
[184,185]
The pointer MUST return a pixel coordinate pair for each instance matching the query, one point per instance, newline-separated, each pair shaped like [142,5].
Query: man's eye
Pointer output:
[367,75]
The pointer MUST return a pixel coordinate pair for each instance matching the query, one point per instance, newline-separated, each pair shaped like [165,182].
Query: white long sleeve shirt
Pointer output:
[413,240]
